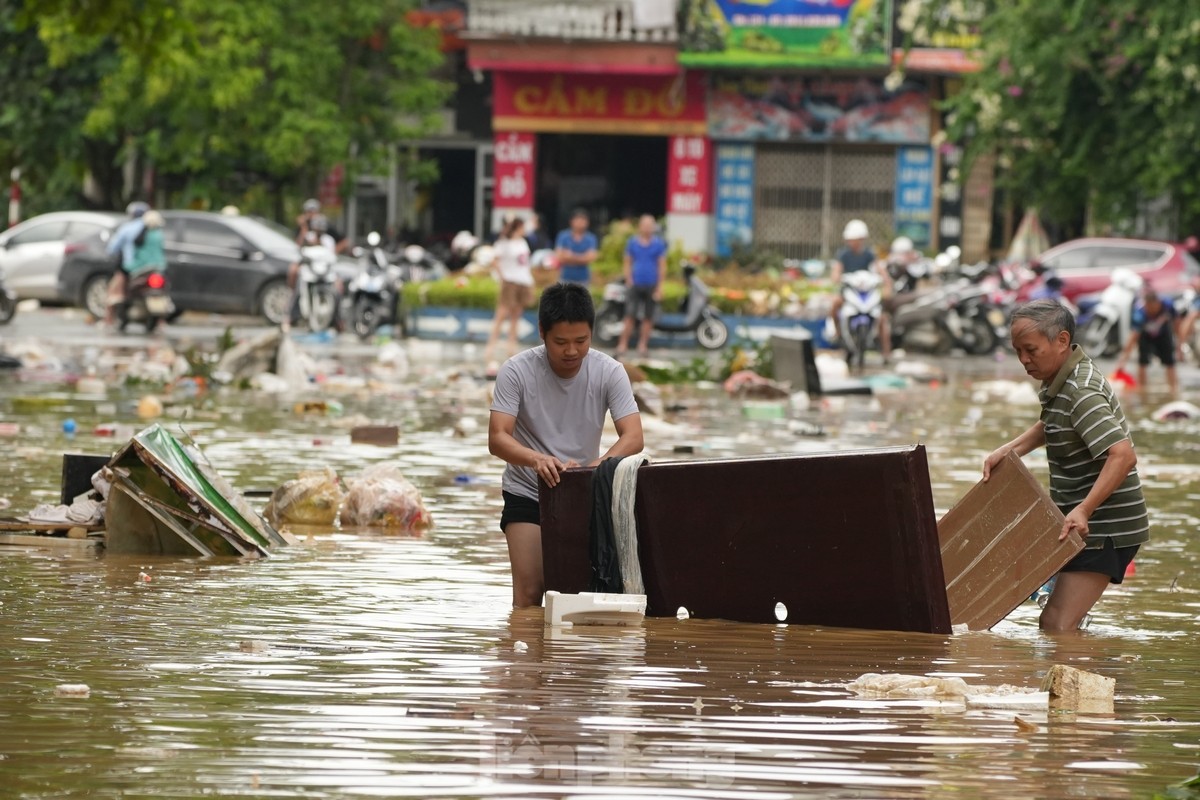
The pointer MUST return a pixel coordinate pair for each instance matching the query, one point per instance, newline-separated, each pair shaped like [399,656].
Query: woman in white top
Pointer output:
[516,285]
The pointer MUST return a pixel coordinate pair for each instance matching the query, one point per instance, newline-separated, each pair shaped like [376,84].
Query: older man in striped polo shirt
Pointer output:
[1092,462]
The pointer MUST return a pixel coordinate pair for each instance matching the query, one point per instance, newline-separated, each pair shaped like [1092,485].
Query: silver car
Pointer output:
[31,253]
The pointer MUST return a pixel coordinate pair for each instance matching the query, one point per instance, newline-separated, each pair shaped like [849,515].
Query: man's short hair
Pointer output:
[565,302]
[579,212]
[1049,317]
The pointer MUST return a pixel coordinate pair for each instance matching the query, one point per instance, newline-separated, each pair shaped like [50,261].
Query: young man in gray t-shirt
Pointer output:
[548,412]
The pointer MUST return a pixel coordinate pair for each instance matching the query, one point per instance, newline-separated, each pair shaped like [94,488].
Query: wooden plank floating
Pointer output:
[999,544]
[841,539]
[50,542]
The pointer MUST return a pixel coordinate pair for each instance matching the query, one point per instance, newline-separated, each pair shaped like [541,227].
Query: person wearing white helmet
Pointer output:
[855,255]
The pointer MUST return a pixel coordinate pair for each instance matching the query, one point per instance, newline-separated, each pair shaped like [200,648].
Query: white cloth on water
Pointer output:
[81,512]
[624,494]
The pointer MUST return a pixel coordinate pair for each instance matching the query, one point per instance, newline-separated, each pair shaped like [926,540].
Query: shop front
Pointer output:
[618,145]
[799,156]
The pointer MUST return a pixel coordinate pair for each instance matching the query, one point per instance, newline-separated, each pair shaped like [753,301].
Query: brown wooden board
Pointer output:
[841,539]
[999,544]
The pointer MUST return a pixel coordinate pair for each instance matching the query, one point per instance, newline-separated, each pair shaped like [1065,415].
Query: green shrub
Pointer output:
[483,292]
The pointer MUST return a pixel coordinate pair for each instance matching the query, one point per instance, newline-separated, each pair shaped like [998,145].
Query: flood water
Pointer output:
[370,665]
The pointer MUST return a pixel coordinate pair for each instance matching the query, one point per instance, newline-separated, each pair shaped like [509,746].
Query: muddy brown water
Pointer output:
[367,665]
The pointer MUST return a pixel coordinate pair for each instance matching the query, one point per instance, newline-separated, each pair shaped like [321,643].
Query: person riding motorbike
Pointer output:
[856,255]
[124,243]
[318,233]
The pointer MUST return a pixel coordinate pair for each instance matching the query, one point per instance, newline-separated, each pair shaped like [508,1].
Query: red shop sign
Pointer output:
[600,103]
[689,178]
[515,158]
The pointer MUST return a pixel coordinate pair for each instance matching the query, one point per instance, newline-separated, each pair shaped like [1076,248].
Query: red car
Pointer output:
[1085,265]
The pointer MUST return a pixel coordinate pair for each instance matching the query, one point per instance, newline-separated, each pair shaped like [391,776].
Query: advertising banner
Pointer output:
[660,105]
[735,196]
[689,182]
[818,109]
[791,33]
[515,159]
[914,194]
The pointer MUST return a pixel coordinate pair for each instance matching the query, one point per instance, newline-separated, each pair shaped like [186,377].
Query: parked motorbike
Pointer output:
[700,318]
[147,301]
[858,319]
[375,296]
[1105,327]
[316,288]
[419,265]
[965,312]
[8,302]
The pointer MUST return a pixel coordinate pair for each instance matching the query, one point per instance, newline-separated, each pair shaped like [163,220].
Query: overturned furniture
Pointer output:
[840,539]
[167,499]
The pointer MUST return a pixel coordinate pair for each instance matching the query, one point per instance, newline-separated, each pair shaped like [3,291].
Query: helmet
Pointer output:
[230,211]
[855,229]
[312,205]
[320,223]
[414,254]
[153,219]
[902,246]
[137,208]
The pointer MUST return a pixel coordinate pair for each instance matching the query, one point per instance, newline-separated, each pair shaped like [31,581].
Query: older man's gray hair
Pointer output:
[1049,317]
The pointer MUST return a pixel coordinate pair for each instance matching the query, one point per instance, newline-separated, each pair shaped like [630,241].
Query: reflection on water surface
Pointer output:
[359,664]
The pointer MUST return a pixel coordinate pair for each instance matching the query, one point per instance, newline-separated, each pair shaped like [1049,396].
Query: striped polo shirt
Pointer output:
[1083,419]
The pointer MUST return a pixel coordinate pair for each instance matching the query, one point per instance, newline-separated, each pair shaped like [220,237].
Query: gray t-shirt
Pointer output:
[562,418]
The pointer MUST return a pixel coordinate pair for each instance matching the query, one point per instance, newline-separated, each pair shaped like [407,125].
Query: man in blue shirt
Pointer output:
[576,249]
[645,271]
[1153,336]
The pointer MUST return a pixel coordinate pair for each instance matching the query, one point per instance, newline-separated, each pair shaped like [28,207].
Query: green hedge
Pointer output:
[482,293]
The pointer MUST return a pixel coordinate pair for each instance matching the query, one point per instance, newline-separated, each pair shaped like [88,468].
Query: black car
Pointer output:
[217,263]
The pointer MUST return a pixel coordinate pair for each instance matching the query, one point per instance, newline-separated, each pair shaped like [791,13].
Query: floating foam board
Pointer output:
[1000,544]
[594,608]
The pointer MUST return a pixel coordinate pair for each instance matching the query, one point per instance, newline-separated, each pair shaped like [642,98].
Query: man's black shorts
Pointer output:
[519,509]
[640,303]
[1107,560]
[1161,346]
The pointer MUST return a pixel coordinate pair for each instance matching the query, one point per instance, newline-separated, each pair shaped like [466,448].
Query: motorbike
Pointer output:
[8,302]
[375,295]
[147,301]
[965,312]
[419,265]
[1105,326]
[316,287]
[858,318]
[700,318]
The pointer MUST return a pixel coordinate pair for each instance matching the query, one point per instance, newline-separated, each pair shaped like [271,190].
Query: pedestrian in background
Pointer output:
[645,271]
[1093,475]
[1153,335]
[512,270]
[576,248]
[535,237]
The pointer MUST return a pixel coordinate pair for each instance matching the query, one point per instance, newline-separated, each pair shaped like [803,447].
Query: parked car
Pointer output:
[1085,265]
[216,263]
[31,252]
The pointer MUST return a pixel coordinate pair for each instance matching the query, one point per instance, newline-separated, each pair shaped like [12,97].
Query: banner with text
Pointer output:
[786,33]
[600,103]
[914,194]
[818,109]
[735,197]
[515,167]
[689,180]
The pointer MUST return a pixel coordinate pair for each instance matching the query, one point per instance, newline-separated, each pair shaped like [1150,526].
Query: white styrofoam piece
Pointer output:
[1030,700]
[594,608]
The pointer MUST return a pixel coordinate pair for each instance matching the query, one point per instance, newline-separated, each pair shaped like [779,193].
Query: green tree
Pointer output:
[231,98]
[1091,105]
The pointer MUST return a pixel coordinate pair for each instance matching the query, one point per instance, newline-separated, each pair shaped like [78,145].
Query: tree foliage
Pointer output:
[218,97]
[1090,104]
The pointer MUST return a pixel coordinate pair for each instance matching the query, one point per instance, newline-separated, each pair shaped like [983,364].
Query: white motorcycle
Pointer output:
[316,287]
[858,319]
[1110,321]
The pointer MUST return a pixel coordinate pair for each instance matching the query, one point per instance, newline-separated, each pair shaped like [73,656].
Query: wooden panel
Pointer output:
[999,544]
[731,538]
